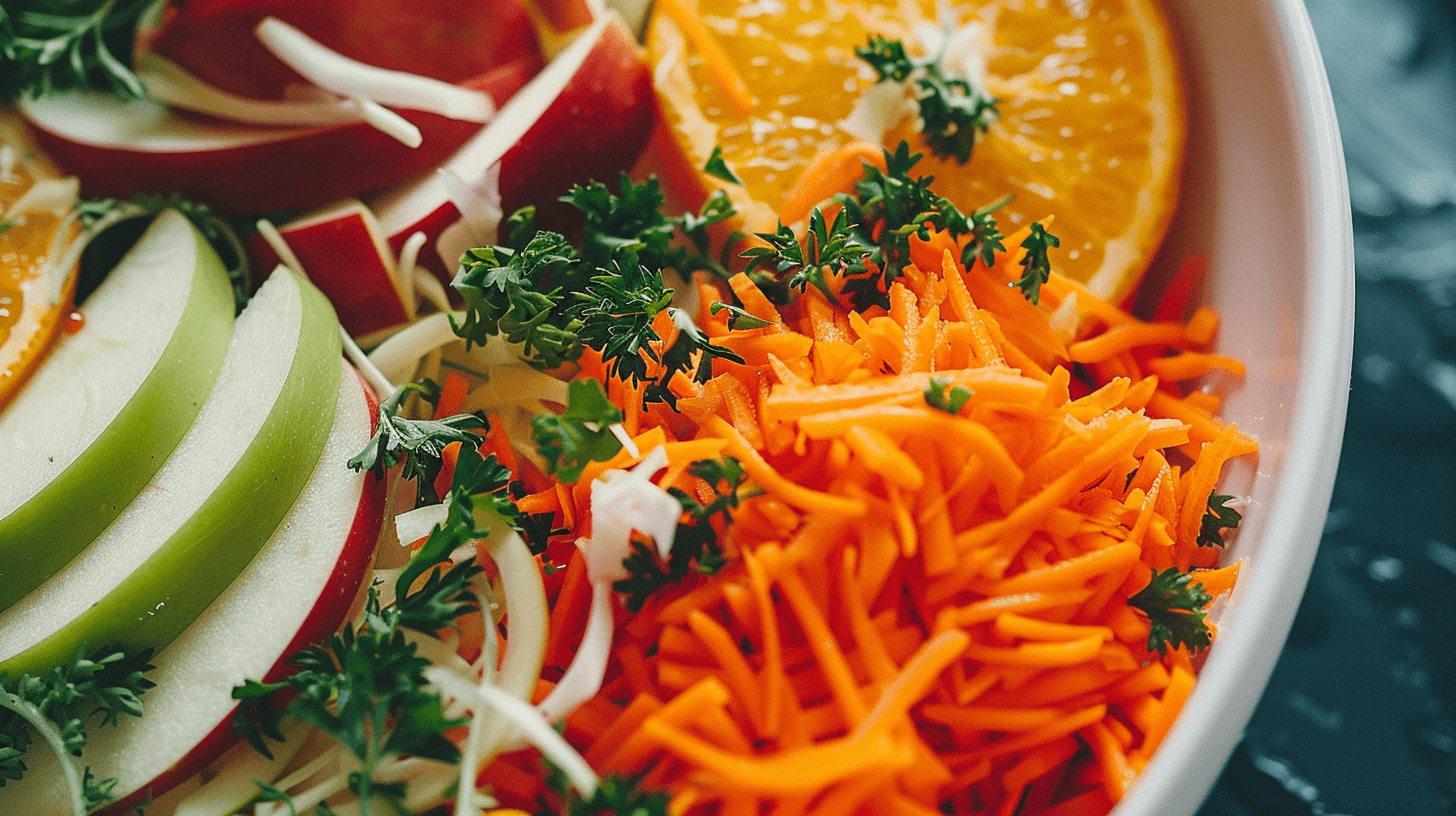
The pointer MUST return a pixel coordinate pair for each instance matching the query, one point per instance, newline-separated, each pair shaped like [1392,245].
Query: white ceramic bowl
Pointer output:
[1265,200]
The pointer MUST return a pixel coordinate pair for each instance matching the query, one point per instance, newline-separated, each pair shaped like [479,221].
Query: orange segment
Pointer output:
[1091,123]
[34,296]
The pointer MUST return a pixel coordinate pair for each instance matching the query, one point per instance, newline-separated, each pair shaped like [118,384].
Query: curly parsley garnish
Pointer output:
[108,682]
[695,547]
[1174,604]
[419,443]
[950,400]
[952,111]
[1217,518]
[540,293]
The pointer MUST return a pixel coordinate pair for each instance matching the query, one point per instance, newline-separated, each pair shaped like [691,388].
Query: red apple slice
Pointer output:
[298,591]
[442,39]
[343,252]
[586,116]
[121,148]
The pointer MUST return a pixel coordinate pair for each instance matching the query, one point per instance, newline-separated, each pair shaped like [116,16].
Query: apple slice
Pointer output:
[441,39]
[297,592]
[212,505]
[343,251]
[586,116]
[119,148]
[111,402]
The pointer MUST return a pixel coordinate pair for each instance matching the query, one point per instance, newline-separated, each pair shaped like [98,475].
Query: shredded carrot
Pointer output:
[830,172]
[924,602]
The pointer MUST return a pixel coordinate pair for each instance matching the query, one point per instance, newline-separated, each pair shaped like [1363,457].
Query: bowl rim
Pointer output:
[1183,770]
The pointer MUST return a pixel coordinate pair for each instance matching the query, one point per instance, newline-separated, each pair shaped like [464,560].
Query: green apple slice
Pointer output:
[111,402]
[214,503]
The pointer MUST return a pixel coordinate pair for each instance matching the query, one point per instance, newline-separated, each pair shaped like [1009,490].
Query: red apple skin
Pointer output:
[595,129]
[443,39]
[328,615]
[285,168]
[564,15]
[342,256]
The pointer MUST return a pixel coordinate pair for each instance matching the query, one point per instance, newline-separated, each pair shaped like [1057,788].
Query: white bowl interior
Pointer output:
[1265,201]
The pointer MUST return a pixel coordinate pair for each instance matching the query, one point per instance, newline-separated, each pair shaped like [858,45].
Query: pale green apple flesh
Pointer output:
[215,502]
[111,402]
[241,636]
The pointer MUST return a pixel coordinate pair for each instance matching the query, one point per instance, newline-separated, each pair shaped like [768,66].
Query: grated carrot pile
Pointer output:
[921,610]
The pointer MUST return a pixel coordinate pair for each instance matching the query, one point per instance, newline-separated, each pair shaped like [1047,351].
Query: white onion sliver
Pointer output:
[335,72]
[32,715]
[480,211]
[417,523]
[527,720]
[168,82]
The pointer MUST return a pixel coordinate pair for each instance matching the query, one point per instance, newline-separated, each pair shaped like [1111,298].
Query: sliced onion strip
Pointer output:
[347,77]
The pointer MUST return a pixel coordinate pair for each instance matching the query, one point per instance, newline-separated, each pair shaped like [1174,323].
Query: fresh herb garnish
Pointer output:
[952,112]
[58,45]
[1217,518]
[829,247]
[949,400]
[1036,268]
[108,681]
[695,547]
[616,795]
[365,687]
[581,434]
[616,289]
[419,443]
[517,294]
[1174,605]
[738,318]
[719,169]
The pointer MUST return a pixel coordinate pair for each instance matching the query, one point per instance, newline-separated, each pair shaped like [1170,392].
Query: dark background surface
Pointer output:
[1357,718]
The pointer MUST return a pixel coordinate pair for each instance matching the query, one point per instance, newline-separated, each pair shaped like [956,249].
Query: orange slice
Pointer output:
[35,295]
[1091,125]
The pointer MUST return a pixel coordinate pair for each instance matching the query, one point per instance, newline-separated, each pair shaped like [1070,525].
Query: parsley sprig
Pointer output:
[614,796]
[539,292]
[365,687]
[695,547]
[1217,518]
[952,111]
[579,435]
[419,443]
[56,45]
[1174,605]
[868,241]
[94,690]
[940,395]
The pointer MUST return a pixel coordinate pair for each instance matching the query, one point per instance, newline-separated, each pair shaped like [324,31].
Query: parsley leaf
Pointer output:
[1036,268]
[616,795]
[738,318]
[1174,604]
[581,434]
[695,547]
[950,401]
[56,46]
[828,247]
[518,295]
[108,681]
[952,112]
[1217,518]
[365,687]
[419,443]
[617,312]
[719,169]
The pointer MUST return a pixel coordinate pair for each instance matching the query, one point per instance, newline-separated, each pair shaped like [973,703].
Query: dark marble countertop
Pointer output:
[1357,718]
